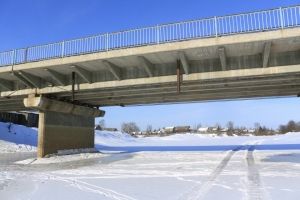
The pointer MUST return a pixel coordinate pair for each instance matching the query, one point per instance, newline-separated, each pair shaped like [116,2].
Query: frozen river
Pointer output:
[177,167]
[241,173]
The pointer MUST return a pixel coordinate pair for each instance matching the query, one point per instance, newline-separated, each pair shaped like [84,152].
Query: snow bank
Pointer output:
[17,138]
[61,158]
[113,138]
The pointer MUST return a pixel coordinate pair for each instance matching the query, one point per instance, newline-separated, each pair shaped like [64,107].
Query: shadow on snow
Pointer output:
[199,148]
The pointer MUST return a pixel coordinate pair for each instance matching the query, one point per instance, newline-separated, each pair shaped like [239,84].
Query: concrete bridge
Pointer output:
[249,55]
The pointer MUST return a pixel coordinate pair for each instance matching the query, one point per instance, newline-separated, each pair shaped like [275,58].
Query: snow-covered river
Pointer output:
[178,167]
[237,174]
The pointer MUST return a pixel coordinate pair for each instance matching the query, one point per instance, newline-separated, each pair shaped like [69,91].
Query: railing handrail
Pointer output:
[157,34]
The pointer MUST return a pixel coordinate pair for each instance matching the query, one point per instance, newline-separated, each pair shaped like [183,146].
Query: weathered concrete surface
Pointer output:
[63,125]
[60,131]
[45,104]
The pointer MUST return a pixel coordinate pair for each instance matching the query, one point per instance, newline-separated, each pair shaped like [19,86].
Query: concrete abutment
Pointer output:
[63,126]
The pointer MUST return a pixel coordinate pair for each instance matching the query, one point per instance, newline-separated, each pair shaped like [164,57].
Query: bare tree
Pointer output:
[149,129]
[257,126]
[230,125]
[298,126]
[218,126]
[291,126]
[282,129]
[101,123]
[130,127]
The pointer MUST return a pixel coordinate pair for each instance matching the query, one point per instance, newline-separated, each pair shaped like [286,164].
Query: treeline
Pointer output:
[258,130]
[291,126]
[230,129]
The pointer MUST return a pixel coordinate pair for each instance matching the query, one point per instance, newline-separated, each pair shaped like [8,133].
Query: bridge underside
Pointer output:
[190,91]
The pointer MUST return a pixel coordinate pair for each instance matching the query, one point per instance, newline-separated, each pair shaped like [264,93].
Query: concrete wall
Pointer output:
[60,131]
[26,119]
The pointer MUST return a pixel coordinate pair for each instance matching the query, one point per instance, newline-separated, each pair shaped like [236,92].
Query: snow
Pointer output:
[116,141]
[17,138]
[203,129]
[182,166]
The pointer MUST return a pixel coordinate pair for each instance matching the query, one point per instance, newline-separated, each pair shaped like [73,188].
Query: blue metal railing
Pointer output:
[211,27]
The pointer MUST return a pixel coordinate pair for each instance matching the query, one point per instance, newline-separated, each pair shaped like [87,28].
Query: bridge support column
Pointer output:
[63,125]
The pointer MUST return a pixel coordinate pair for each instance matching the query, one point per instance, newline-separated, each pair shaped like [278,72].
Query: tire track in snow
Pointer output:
[84,186]
[199,191]
[254,190]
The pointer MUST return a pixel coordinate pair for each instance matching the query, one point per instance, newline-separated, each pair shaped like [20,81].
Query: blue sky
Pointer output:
[31,22]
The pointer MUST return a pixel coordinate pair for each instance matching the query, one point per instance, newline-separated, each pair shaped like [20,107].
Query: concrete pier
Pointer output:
[62,125]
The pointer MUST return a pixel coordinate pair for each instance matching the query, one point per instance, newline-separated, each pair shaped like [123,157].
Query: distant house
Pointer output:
[215,129]
[182,129]
[110,129]
[136,133]
[244,130]
[99,128]
[176,129]
[224,130]
[169,129]
[29,119]
[251,130]
[203,129]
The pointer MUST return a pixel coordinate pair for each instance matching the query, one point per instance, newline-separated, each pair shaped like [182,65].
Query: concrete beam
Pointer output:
[60,79]
[125,91]
[144,82]
[184,62]
[33,80]
[115,70]
[9,85]
[266,54]
[83,73]
[191,90]
[45,104]
[201,98]
[147,65]
[222,56]
[215,80]
[12,108]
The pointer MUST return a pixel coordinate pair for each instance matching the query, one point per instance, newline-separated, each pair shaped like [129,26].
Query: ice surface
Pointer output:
[183,166]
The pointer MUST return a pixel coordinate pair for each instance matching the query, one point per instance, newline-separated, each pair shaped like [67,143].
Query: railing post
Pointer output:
[25,55]
[281,18]
[63,49]
[157,34]
[216,26]
[106,41]
[13,57]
